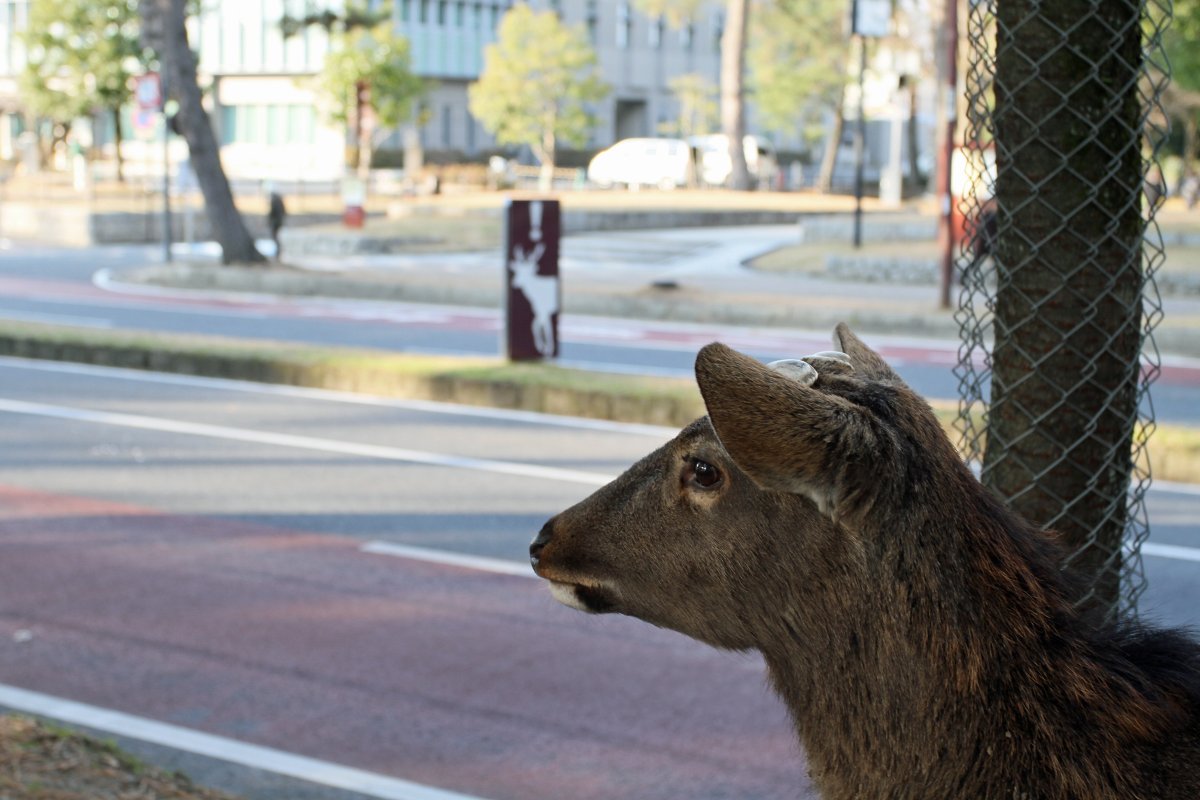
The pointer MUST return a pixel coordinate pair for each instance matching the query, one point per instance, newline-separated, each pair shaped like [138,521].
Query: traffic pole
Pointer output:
[166,182]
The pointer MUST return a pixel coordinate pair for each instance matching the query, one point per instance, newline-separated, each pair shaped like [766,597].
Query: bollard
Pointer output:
[533,294]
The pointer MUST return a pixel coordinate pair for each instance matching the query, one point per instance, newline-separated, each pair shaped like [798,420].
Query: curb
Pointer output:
[521,387]
[668,402]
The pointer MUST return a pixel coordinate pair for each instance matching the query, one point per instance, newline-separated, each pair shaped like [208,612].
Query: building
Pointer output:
[268,121]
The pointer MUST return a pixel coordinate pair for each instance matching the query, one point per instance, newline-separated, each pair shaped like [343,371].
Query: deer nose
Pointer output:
[536,546]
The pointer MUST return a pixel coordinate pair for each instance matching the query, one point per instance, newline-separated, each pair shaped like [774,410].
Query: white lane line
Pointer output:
[332,395]
[481,563]
[1171,551]
[1175,487]
[303,442]
[280,762]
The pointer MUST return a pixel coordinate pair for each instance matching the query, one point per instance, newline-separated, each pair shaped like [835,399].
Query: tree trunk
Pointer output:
[163,30]
[1189,142]
[1069,267]
[916,180]
[733,73]
[364,121]
[116,118]
[546,155]
[414,153]
[832,145]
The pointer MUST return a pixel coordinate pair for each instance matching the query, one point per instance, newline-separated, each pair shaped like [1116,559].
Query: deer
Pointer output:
[542,293]
[922,636]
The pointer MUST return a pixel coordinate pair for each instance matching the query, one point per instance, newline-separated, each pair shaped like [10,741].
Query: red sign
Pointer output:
[147,91]
[533,295]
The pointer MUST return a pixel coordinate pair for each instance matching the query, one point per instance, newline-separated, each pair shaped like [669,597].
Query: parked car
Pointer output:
[714,165]
[665,163]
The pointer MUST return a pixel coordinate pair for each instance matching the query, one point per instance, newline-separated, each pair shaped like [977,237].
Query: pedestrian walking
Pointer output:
[276,215]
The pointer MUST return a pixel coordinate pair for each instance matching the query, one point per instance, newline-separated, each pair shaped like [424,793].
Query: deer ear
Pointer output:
[867,363]
[777,429]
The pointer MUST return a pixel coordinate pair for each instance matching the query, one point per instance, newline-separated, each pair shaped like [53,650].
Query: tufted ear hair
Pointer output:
[867,363]
[780,431]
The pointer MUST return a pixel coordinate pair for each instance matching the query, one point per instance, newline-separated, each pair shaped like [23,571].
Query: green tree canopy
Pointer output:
[798,63]
[697,98]
[81,56]
[676,12]
[736,15]
[367,82]
[537,82]
[1181,43]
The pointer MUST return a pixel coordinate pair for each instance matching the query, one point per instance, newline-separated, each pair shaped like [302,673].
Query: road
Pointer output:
[221,557]
[193,553]
[55,285]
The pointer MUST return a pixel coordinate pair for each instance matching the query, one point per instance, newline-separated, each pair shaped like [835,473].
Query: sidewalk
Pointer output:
[695,275]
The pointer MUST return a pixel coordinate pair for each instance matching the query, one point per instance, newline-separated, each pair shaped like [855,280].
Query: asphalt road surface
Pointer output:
[55,285]
[344,578]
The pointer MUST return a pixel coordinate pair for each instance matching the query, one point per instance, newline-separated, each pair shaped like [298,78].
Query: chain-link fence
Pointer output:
[1057,263]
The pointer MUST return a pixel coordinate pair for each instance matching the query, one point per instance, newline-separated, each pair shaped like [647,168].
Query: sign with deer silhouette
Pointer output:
[533,294]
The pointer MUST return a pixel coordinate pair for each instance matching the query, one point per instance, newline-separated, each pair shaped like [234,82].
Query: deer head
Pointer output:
[705,534]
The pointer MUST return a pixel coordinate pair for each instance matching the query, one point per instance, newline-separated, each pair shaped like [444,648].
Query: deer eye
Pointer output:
[703,474]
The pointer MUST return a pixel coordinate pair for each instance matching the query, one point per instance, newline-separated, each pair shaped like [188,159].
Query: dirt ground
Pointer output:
[42,762]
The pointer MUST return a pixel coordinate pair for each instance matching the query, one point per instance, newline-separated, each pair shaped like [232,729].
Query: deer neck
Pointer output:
[894,682]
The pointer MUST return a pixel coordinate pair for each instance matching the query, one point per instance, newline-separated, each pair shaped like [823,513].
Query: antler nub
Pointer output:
[806,370]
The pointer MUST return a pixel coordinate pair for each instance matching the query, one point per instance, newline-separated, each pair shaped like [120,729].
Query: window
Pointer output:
[654,33]
[422,11]
[302,127]
[687,34]
[441,12]
[718,29]
[446,126]
[624,25]
[593,21]
[268,124]
[276,124]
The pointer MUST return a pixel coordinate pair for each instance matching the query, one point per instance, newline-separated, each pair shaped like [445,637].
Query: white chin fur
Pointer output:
[565,594]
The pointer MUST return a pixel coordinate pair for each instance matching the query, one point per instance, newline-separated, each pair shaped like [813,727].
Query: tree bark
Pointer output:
[1069,266]
[733,74]
[164,31]
[116,119]
[832,145]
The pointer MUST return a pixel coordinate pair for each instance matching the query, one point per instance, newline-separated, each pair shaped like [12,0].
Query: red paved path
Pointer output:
[465,680]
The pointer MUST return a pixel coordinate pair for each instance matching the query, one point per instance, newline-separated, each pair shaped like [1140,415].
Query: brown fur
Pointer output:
[920,634]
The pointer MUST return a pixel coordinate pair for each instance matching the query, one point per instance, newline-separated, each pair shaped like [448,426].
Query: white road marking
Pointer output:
[303,442]
[279,762]
[1174,487]
[1170,551]
[481,563]
[331,395]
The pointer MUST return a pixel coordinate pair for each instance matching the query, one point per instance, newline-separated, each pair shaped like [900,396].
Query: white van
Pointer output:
[665,163]
[714,164]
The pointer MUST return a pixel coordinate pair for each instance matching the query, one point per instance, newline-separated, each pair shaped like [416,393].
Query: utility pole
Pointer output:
[860,137]
[868,19]
[166,182]
[945,154]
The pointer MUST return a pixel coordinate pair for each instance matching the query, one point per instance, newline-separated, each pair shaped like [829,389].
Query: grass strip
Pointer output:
[1173,451]
[42,761]
[473,381]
